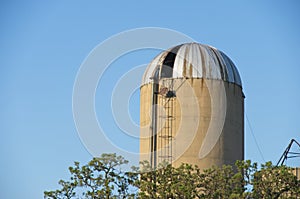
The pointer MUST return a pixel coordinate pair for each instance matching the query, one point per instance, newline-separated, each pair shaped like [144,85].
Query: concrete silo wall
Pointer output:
[207,122]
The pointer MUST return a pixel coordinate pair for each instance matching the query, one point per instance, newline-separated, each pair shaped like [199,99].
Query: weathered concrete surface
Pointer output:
[207,126]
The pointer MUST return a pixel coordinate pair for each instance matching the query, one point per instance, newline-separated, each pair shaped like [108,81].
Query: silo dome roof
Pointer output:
[192,60]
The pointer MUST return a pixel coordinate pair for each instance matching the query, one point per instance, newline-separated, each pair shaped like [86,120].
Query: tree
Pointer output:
[275,182]
[100,178]
[103,178]
[188,181]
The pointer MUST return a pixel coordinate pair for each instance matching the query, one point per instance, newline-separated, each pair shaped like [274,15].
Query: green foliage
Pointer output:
[100,178]
[103,178]
[275,182]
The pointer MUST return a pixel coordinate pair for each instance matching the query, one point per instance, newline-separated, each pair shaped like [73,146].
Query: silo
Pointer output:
[191,108]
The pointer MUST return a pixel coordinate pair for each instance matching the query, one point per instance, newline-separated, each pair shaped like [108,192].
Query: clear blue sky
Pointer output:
[43,44]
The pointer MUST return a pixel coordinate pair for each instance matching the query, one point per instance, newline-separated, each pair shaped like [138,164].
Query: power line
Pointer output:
[256,143]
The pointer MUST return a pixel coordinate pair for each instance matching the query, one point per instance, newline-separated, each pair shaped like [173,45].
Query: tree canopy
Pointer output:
[103,178]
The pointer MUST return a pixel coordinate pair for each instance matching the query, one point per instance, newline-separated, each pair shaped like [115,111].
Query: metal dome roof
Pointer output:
[192,60]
